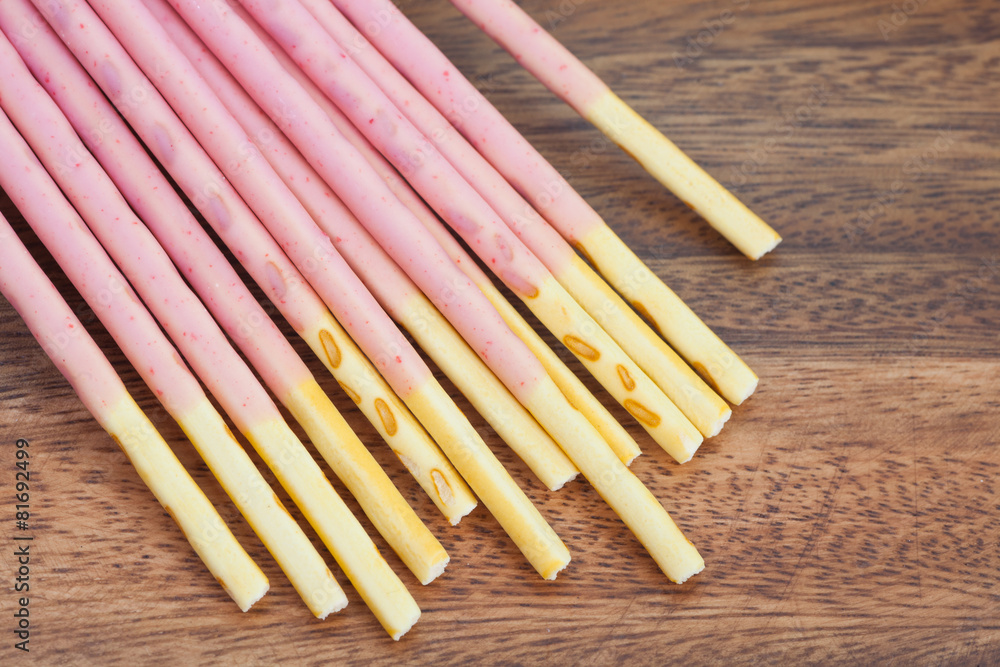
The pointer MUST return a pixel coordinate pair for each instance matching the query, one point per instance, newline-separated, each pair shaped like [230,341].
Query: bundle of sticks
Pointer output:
[341,174]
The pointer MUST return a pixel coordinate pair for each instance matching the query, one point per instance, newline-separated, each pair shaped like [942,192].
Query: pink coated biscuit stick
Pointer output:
[429,70]
[66,236]
[416,250]
[469,215]
[644,515]
[221,135]
[578,395]
[229,216]
[222,138]
[550,59]
[621,443]
[324,269]
[470,112]
[569,78]
[525,168]
[699,403]
[386,280]
[78,358]
[439,339]
[203,343]
[230,301]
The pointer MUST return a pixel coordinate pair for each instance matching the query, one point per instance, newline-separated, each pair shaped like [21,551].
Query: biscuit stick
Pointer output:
[313,252]
[699,402]
[135,331]
[259,254]
[537,180]
[412,247]
[384,278]
[562,73]
[575,391]
[221,289]
[78,358]
[203,344]
[457,202]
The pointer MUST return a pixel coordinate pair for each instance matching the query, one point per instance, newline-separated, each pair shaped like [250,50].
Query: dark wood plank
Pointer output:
[848,513]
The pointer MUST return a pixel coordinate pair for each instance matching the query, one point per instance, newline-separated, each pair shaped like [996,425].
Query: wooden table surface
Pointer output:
[847,513]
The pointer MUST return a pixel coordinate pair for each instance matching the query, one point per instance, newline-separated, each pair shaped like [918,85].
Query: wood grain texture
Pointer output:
[848,513]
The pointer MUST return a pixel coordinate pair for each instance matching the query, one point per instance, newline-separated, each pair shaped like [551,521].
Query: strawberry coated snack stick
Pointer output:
[81,361]
[569,384]
[455,200]
[562,73]
[313,252]
[205,267]
[699,402]
[430,71]
[135,331]
[613,433]
[384,278]
[203,343]
[236,225]
[412,247]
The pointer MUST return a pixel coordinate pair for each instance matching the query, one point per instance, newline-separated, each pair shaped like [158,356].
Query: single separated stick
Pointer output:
[569,384]
[427,68]
[467,213]
[411,245]
[699,402]
[205,346]
[394,290]
[208,271]
[236,225]
[135,331]
[562,73]
[99,388]
[313,252]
